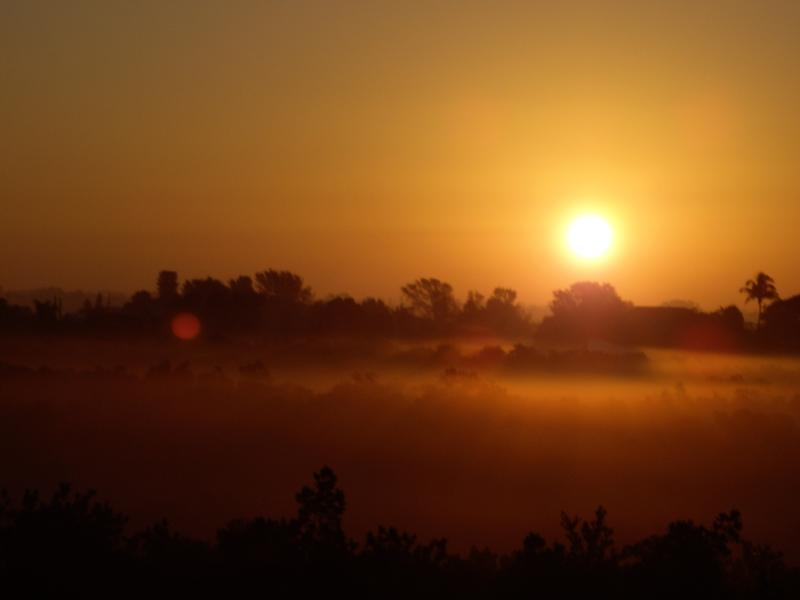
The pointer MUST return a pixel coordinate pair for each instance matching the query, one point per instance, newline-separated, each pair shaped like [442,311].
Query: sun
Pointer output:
[589,236]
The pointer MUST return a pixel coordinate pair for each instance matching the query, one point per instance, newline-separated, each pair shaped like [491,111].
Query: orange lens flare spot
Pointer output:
[185,326]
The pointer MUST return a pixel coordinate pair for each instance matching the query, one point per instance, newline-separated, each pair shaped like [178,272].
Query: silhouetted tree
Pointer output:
[66,542]
[590,542]
[262,548]
[73,545]
[245,303]
[586,309]
[283,286]
[169,561]
[396,565]
[502,297]
[731,317]
[377,317]
[242,286]
[205,295]
[689,559]
[278,304]
[320,510]
[586,296]
[760,288]
[13,316]
[47,312]
[167,285]
[474,304]
[431,299]
[502,312]
[781,323]
[140,303]
[339,313]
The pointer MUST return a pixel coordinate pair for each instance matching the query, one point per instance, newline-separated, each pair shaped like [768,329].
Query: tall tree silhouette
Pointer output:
[474,303]
[320,509]
[431,299]
[283,286]
[167,285]
[760,288]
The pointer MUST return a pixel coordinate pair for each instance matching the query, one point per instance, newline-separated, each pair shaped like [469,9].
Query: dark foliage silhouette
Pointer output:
[73,543]
[167,286]
[585,310]
[431,299]
[278,305]
[761,288]
[283,287]
[592,311]
[780,326]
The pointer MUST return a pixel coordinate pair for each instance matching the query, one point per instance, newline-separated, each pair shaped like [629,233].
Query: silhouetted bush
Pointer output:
[73,543]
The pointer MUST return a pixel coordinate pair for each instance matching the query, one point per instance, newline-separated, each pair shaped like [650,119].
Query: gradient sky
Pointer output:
[364,144]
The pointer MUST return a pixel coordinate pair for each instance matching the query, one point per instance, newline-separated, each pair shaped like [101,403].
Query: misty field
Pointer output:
[426,438]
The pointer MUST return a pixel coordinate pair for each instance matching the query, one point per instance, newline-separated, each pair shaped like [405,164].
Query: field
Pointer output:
[421,437]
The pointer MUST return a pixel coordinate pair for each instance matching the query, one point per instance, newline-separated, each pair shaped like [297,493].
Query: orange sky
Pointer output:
[363,144]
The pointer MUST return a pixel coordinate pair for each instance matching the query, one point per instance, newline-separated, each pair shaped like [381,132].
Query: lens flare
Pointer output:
[185,326]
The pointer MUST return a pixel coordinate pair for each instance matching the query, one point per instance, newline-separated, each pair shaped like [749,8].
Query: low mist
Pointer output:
[441,445]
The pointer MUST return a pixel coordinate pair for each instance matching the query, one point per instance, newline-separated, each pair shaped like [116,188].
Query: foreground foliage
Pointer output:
[74,543]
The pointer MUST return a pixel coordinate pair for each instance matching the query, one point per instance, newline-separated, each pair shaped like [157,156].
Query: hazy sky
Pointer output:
[364,144]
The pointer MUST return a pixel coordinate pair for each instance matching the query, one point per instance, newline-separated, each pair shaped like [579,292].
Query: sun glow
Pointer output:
[589,236]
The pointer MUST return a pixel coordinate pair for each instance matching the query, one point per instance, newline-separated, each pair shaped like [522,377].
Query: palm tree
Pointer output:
[760,288]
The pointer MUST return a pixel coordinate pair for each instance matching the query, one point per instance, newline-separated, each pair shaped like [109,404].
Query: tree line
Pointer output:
[74,543]
[279,304]
[590,310]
